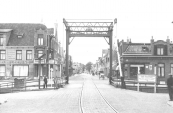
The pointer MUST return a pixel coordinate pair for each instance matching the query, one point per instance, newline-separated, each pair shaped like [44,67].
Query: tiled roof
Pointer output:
[142,49]
[27,29]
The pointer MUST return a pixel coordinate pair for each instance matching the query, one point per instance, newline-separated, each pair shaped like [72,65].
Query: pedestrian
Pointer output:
[45,82]
[170,86]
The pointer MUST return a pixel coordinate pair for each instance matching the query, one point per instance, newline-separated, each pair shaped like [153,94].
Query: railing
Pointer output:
[11,86]
[144,87]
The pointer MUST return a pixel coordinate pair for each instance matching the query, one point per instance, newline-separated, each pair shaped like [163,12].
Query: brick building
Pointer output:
[155,57]
[24,50]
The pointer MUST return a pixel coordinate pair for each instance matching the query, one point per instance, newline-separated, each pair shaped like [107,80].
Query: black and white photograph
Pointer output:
[86,56]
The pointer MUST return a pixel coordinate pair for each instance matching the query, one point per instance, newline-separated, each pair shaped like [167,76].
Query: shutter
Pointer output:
[155,50]
[36,54]
[165,50]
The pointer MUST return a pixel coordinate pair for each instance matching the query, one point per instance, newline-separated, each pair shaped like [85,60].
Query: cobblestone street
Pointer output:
[85,94]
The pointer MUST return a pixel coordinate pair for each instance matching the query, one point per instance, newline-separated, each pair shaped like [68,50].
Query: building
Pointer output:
[105,61]
[24,50]
[155,57]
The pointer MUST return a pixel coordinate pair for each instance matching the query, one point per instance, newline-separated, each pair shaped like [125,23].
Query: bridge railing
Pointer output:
[137,86]
[32,84]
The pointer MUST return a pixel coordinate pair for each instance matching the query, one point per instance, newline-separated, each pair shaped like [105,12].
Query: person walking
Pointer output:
[170,86]
[45,82]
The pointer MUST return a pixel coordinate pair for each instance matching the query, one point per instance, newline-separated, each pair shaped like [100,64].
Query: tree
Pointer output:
[88,66]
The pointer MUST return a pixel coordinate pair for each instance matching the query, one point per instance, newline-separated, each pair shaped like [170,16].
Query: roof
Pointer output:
[27,29]
[138,49]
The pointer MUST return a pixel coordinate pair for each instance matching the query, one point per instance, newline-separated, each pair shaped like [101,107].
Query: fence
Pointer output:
[26,85]
[143,87]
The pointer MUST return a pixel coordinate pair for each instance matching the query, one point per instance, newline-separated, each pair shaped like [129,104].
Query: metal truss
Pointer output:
[88,29]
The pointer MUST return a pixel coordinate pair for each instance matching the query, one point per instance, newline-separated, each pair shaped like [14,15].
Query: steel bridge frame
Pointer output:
[88,29]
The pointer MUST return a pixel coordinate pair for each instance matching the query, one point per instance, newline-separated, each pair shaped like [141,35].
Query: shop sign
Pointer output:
[43,61]
[15,62]
[147,78]
[36,61]
[51,61]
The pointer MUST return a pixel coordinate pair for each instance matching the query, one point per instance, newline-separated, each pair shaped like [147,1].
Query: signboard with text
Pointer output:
[147,78]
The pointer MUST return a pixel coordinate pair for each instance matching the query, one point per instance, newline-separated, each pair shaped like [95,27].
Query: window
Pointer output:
[161,70]
[20,70]
[28,55]
[18,55]
[136,69]
[2,55]
[40,39]
[40,53]
[2,70]
[159,51]
[1,39]
[171,68]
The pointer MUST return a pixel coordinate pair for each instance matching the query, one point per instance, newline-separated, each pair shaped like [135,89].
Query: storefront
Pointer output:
[16,69]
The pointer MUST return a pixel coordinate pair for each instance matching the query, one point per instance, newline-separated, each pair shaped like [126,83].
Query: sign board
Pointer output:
[147,78]
[51,61]
[42,61]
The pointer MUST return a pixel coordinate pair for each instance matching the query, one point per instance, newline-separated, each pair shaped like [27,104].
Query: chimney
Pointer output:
[128,40]
[168,40]
[152,40]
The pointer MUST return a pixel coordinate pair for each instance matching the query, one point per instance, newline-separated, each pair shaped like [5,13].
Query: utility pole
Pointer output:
[67,56]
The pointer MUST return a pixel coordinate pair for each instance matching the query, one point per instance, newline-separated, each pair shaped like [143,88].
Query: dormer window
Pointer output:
[1,39]
[160,50]
[40,39]
[19,36]
[145,49]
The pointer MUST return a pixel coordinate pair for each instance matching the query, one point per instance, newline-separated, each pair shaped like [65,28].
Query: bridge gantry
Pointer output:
[88,29]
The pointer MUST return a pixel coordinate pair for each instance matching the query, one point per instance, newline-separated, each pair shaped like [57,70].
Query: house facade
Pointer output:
[24,50]
[155,57]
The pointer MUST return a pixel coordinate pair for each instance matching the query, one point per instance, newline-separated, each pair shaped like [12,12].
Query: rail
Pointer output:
[11,86]
[135,85]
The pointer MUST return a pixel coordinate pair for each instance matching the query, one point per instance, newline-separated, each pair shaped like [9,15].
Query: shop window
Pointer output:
[20,70]
[161,70]
[2,70]
[136,69]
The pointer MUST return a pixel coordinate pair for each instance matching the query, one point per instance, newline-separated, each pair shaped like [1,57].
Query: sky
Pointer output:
[137,20]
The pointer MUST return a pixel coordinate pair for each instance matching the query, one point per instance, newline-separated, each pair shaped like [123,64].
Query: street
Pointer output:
[85,94]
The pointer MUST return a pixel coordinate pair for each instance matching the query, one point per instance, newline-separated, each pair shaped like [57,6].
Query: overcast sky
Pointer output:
[136,19]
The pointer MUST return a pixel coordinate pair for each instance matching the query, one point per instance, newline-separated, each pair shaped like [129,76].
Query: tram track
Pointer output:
[105,99]
[80,98]
[82,106]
